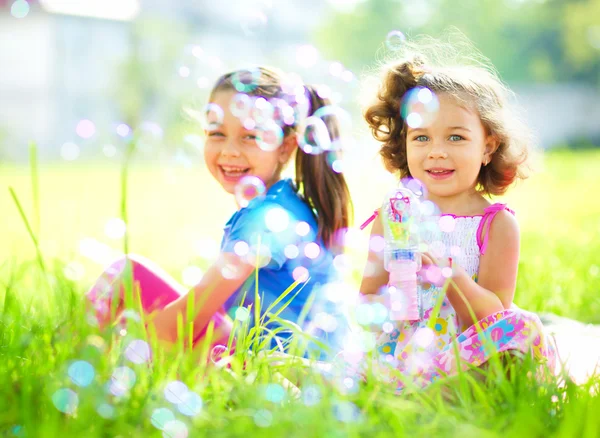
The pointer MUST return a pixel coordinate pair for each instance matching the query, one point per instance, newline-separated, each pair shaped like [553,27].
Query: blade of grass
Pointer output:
[33,163]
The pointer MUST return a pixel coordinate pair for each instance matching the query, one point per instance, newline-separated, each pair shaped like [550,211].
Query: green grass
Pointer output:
[43,327]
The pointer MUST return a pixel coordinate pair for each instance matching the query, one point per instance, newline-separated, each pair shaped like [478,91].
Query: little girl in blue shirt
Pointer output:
[288,235]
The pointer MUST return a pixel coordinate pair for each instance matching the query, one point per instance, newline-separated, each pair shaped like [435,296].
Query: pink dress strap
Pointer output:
[486,221]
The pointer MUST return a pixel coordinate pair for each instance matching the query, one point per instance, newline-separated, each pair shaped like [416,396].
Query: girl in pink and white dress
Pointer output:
[451,129]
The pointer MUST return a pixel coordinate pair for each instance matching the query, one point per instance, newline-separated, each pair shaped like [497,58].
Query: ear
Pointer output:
[491,146]
[287,148]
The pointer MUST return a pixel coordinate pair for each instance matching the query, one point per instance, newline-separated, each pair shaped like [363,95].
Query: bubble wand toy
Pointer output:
[401,215]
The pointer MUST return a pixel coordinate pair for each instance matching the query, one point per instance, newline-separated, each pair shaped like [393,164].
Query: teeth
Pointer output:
[233,169]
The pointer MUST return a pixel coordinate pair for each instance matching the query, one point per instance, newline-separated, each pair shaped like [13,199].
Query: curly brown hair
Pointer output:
[473,82]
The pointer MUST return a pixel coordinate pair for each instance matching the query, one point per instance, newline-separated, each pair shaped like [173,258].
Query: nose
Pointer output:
[230,149]
[437,151]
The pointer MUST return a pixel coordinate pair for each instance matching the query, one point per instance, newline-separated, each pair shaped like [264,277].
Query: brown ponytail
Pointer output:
[324,189]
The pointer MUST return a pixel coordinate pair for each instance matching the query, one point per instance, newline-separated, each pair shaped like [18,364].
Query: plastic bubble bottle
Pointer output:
[401,216]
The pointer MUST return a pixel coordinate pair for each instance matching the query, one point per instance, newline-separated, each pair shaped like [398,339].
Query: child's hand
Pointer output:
[435,271]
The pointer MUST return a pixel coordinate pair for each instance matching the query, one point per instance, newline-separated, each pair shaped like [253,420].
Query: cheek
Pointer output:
[210,154]
[413,158]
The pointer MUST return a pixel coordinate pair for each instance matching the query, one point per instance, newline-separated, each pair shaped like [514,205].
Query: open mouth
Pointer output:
[233,173]
[440,173]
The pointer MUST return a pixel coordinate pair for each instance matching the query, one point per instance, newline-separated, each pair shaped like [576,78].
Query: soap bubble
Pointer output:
[19,9]
[115,228]
[218,352]
[248,188]
[123,130]
[175,429]
[346,412]
[311,395]
[74,271]
[262,110]
[395,40]
[242,314]
[85,128]
[138,351]
[291,251]
[65,400]
[245,81]
[313,133]
[283,113]
[175,391]
[192,275]
[307,56]
[269,136]
[312,250]
[277,220]
[160,417]
[254,22]
[69,151]
[274,393]
[214,116]
[191,404]
[447,224]
[423,337]
[240,106]
[81,373]
[300,274]
[419,107]
[263,418]
[122,380]
[106,411]
[259,256]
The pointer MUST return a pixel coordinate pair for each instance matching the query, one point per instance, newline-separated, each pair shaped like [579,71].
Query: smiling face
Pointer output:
[448,154]
[231,151]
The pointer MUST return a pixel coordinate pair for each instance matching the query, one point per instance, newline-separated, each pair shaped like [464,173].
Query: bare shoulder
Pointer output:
[505,221]
[504,229]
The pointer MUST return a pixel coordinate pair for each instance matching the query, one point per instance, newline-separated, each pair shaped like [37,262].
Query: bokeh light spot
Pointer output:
[192,275]
[175,429]
[277,219]
[138,351]
[175,391]
[263,418]
[115,228]
[191,404]
[85,129]
[160,417]
[81,373]
[65,400]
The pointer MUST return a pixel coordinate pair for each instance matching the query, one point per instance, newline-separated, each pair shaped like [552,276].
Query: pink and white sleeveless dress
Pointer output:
[427,354]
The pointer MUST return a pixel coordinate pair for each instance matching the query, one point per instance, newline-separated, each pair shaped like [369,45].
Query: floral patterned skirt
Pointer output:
[425,357]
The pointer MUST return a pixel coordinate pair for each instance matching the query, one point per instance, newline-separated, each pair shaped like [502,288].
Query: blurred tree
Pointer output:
[149,84]
[527,40]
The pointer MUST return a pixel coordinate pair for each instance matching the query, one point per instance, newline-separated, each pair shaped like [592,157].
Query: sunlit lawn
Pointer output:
[174,214]
[176,217]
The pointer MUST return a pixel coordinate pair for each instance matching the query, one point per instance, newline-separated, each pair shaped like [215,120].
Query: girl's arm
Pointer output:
[209,296]
[497,280]
[375,276]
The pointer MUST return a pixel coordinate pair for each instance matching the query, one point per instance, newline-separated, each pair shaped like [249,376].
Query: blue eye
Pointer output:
[456,137]
[421,138]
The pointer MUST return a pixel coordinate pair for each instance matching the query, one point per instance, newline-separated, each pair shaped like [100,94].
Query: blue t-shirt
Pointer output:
[279,229]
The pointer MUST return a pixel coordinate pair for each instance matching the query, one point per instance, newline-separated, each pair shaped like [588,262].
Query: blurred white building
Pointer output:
[60,62]
[63,62]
